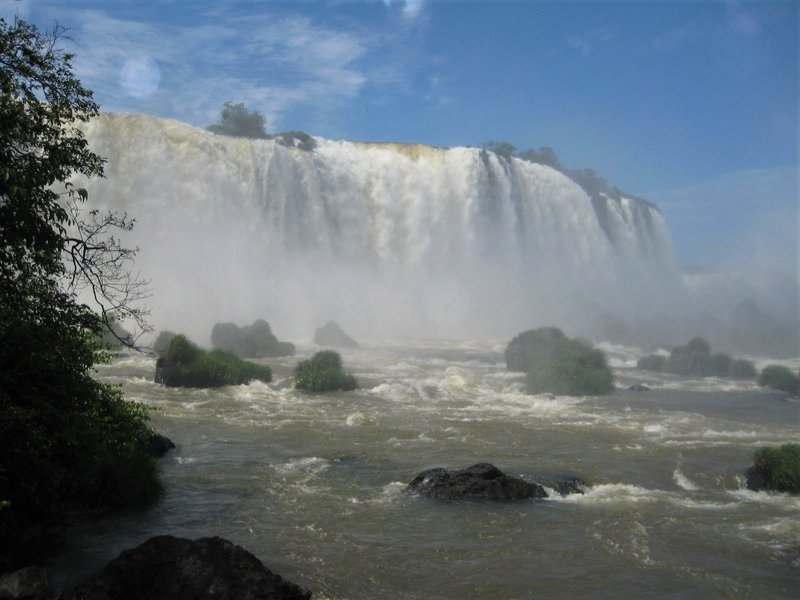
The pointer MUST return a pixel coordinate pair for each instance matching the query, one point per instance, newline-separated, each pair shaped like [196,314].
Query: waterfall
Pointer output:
[387,239]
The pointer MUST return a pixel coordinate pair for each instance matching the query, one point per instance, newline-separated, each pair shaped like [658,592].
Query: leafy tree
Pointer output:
[543,156]
[65,438]
[236,121]
[504,149]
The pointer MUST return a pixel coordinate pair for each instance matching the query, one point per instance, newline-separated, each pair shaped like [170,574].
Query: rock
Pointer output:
[757,479]
[480,481]
[167,567]
[160,445]
[564,485]
[638,388]
[30,583]
[332,335]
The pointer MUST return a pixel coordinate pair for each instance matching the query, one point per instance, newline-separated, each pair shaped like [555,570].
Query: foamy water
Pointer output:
[314,484]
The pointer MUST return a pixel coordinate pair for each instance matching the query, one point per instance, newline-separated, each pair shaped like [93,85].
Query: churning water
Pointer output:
[314,484]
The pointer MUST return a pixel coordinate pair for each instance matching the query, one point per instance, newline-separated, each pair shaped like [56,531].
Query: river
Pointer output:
[314,484]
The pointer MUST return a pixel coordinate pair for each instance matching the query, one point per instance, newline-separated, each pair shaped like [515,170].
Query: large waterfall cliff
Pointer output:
[389,239]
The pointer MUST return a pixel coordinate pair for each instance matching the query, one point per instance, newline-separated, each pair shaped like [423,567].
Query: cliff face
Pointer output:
[432,235]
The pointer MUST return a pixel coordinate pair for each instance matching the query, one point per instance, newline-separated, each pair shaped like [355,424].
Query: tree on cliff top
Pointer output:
[65,439]
[236,121]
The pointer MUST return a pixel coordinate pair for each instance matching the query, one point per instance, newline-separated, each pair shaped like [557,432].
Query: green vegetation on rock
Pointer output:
[533,346]
[559,365]
[780,467]
[323,372]
[780,378]
[187,365]
[696,360]
[742,369]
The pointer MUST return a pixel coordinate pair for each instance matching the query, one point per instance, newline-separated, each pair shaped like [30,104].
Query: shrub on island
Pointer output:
[742,369]
[692,359]
[187,365]
[533,346]
[576,369]
[695,359]
[559,365]
[780,378]
[323,372]
[776,468]
[250,341]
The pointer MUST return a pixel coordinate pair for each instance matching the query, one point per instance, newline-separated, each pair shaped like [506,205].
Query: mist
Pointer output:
[391,241]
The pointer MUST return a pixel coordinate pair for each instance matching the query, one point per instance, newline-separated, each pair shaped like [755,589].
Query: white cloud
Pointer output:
[271,63]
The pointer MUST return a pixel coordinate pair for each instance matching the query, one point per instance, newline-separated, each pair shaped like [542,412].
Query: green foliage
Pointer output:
[250,341]
[559,365]
[504,149]
[236,121]
[742,369]
[695,359]
[692,359]
[533,346]
[66,440]
[719,364]
[780,378]
[161,345]
[187,365]
[653,362]
[543,156]
[781,466]
[576,369]
[323,372]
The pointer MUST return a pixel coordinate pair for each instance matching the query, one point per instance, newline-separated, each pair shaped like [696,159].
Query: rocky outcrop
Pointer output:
[159,445]
[482,481]
[333,335]
[30,583]
[176,568]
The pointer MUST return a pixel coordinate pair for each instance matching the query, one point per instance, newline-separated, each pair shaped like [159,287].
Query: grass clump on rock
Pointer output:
[322,373]
[779,467]
[559,365]
[187,365]
[780,378]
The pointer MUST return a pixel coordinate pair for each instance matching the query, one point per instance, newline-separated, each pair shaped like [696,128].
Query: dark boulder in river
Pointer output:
[159,445]
[167,567]
[480,481]
[333,335]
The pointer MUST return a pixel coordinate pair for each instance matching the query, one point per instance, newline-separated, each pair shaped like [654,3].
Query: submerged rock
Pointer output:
[333,335]
[638,387]
[205,569]
[480,481]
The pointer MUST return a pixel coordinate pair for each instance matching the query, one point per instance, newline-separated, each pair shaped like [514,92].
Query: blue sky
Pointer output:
[693,105]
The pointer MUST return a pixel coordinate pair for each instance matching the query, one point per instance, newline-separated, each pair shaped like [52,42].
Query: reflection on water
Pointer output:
[313,484]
